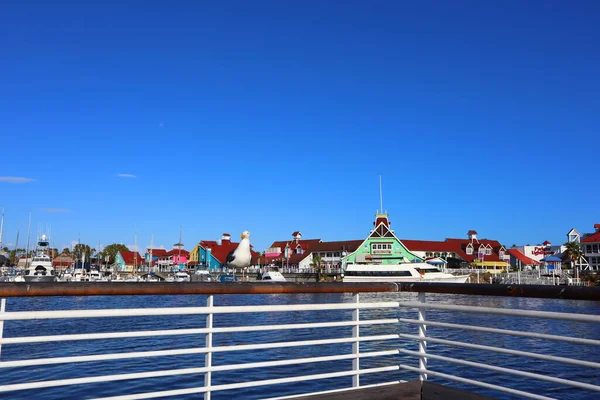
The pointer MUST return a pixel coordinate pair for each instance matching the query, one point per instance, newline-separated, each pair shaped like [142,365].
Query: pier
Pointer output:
[408,355]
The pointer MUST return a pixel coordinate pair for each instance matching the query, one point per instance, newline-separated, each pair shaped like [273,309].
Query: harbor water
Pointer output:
[97,325]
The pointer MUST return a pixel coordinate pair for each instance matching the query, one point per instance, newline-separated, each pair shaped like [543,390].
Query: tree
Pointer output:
[82,250]
[66,251]
[111,251]
[573,251]
[316,261]
[5,249]
[53,253]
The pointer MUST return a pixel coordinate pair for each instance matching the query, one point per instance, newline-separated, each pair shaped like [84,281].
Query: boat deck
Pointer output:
[404,391]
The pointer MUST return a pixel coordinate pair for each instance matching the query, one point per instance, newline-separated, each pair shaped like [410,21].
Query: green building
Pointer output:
[381,247]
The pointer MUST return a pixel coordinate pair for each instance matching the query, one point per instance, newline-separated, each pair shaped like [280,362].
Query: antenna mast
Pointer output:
[380,196]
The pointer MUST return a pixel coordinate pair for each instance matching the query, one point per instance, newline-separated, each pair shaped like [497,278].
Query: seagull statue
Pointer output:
[240,257]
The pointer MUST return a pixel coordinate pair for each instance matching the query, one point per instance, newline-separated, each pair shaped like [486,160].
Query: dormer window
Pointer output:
[469,250]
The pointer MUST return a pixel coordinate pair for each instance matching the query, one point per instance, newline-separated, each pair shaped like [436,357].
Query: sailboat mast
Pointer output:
[27,247]
[151,247]
[179,252]
[135,254]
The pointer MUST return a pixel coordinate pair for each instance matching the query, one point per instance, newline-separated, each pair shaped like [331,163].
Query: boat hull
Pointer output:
[40,278]
[452,279]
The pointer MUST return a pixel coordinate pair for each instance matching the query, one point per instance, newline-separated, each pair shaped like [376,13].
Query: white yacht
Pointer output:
[272,276]
[181,277]
[406,272]
[40,269]
[203,275]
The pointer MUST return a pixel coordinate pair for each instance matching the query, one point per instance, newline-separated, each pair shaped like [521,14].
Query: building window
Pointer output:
[594,248]
[336,254]
[469,250]
[588,248]
[385,248]
[488,251]
[501,254]
[329,255]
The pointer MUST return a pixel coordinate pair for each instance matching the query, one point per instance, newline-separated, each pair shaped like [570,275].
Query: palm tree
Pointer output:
[316,261]
[316,264]
[573,251]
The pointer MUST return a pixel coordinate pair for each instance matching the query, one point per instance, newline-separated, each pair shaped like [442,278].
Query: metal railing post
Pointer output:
[356,343]
[422,334]
[208,345]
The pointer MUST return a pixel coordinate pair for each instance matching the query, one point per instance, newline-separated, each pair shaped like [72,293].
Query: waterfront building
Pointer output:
[62,261]
[590,246]
[471,252]
[153,254]
[300,254]
[381,247]
[127,262]
[520,261]
[176,258]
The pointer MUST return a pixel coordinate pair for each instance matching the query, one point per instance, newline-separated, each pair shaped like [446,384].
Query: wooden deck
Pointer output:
[401,391]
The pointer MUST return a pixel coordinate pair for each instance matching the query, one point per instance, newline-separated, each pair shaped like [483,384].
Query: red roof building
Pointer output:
[131,257]
[62,261]
[520,260]
[484,253]
[590,245]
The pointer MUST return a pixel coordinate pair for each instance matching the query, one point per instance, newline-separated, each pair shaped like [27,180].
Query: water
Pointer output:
[78,326]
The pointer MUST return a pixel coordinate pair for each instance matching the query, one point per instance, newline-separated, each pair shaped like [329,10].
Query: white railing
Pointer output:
[209,331]
[423,368]
[424,355]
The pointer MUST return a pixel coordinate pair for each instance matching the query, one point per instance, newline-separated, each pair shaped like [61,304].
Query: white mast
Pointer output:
[380,196]
[151,247]
[27,247]
[179,253]
[135,253]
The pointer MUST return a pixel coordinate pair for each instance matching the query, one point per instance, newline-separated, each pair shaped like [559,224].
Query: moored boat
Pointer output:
[40,269]
[407,272]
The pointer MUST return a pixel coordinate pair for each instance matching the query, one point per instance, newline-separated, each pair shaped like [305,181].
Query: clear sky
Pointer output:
[276,116]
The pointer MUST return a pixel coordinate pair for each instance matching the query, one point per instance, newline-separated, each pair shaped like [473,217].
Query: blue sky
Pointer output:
[280,116]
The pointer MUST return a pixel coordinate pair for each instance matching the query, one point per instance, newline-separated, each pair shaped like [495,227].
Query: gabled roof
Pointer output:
[522,257]
[131,257]
[427,245]
[176,252]
[472,232]
[457,246]
[283,243]
[157,252]
[347,245]
[382,227]
[593,238]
